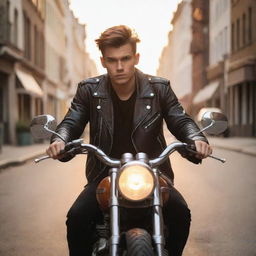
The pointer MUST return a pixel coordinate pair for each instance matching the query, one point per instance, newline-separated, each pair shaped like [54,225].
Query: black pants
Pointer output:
[85,212]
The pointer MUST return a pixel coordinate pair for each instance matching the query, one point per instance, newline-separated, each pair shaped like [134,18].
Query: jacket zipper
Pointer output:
[100,129]
[100,123]
[136,149]
[152,121]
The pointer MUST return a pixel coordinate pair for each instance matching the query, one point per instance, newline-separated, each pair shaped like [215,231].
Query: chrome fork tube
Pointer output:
[114,214]
[158,233]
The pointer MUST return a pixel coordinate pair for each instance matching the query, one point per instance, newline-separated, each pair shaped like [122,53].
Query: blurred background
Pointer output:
[207,48]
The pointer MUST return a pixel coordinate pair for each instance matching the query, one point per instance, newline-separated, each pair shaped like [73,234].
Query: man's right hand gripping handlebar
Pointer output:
[55,149]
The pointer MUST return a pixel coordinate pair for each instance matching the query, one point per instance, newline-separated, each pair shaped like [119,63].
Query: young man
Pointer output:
[125,109]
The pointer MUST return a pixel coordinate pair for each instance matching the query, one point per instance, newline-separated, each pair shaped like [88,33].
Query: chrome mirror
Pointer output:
[43,126]
[214,123]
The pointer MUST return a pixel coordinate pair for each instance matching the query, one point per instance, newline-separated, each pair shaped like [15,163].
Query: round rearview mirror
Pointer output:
[214,123]
[43,126]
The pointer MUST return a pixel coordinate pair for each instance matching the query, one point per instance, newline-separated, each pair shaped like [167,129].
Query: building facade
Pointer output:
[21,64]
[223,49]
[199,50]
[79,63]
[35,50]
[213,94]
[176,60]
[241,81]
[165,60]
[55,59]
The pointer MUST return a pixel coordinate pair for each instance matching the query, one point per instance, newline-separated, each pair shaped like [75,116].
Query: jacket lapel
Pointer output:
[143,103]
[145,94]
[104,104]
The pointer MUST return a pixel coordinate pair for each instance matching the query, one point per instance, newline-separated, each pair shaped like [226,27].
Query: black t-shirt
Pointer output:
[123,124]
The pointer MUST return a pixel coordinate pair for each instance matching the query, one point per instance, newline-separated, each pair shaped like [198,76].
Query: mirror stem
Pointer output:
[55,133]
[205,128]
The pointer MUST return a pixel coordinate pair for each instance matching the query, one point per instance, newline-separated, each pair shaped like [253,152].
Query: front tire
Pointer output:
[138,243]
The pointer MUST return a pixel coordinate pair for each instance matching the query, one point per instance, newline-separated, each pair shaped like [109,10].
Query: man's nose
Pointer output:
[119,65]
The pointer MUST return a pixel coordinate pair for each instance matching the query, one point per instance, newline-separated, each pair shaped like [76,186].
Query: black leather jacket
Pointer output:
[155,102]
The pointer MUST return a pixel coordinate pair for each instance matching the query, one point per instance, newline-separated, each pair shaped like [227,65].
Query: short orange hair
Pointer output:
[117,36]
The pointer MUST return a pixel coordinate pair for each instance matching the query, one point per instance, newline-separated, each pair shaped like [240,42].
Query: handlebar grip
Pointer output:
[63,151]
[192,149]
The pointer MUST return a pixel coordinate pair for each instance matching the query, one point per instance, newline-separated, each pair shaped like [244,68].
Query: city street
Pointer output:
[34,200]
[126,68]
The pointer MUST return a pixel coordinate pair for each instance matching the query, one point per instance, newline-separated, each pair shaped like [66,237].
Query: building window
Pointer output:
[226,40]
[238,33]
[240,104]
[36,46]
[249,103]
[250,24]
[38,106]
[15,29]
[233,37]
[62,68]
[41,50]
[244,29]
[24,106]
[231,94]
[51,105]
[27,37]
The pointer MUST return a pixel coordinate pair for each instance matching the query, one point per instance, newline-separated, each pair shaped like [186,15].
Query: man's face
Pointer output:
[120,63]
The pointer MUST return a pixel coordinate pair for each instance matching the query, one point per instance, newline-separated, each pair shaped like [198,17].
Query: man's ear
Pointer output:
[102,62]
[137,58]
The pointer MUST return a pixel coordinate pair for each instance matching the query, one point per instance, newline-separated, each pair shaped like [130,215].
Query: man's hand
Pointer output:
[54,149]
[203,149]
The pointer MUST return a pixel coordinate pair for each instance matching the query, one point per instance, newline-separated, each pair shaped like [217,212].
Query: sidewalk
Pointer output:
[14,155]
[238,144]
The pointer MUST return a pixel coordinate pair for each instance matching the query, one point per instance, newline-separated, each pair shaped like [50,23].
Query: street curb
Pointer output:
[19,161]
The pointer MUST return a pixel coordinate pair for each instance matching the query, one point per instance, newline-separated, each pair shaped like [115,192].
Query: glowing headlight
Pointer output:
[135,181]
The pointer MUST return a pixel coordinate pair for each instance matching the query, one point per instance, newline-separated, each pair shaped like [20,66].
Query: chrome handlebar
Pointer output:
[84,148]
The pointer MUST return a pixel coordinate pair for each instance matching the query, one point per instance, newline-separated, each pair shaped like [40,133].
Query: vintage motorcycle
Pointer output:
[133,194]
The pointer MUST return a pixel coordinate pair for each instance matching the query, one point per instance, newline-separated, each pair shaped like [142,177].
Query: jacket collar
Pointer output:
[144,89]
[143,102]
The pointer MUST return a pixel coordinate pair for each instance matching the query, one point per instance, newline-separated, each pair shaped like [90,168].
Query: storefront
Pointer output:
[241,101]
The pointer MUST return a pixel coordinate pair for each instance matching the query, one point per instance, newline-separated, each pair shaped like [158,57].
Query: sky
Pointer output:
[150,19]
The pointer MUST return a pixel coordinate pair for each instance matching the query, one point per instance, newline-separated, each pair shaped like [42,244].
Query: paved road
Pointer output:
[34,200]
[222,198]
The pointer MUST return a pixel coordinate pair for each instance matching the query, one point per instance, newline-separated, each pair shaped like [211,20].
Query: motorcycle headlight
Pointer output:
[135,181]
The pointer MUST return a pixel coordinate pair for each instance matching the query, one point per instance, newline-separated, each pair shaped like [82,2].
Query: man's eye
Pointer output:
[126,58]
[111,60]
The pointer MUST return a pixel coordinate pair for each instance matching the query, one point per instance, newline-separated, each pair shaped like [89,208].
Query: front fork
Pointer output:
[158,233]
[158,228]
[114,214]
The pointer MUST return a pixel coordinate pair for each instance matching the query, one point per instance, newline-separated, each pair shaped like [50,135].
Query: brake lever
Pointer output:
[223,160]
[37,160]
[71,149]
[191,149]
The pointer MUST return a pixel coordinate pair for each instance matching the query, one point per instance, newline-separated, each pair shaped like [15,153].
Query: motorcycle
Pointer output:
[134,190]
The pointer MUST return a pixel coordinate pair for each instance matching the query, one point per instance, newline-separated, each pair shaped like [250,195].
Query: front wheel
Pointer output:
[138,243]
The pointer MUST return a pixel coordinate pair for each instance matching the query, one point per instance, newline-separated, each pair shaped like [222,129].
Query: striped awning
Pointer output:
[206,93]
[29,83]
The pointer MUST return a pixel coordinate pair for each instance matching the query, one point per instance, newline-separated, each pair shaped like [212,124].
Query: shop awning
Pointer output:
[29,83]
[206,93]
